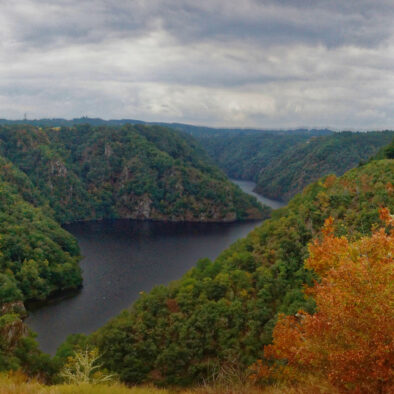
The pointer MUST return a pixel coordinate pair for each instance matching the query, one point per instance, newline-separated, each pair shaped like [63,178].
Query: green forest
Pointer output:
[197,197]
[283,163]
[49,177]
[139,172]
[224,311]
[58,175]
[243,156]
[288,174]
[37,257]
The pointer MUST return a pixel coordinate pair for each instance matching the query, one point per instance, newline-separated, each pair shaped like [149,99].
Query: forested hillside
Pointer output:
[283,163]
[52,176]
[244,155]
[137,172]
[387,152]
[223,311]
[37,257]
[290,172]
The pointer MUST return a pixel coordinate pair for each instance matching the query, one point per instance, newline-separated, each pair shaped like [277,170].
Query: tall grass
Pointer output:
[18,384]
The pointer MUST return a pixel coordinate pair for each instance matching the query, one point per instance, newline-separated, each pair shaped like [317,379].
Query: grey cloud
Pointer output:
[250,63]
[330,23]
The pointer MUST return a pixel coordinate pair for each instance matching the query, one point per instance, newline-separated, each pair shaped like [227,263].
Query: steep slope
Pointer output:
[224,311]
[243,155]
[283,163]
[290,172]
[135,172]
[387,152]
[37,257]
[50,176]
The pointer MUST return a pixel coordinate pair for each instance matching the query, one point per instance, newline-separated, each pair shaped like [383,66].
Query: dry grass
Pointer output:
[311,386]
[307,389]
[227,382]
[19,385]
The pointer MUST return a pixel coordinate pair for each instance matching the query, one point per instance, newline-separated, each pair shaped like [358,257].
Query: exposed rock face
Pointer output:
[13,307]
[146,173]
[124,177]
[143,210]
[12,328]
[135,207]
[108,150]
[58,168]
[141,207]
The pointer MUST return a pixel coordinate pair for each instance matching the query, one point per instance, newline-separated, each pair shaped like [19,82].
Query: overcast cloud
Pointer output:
[249,63]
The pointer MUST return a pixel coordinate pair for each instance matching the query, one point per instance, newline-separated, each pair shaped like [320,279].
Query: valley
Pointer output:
[143,288]
[122,258]
[197,197]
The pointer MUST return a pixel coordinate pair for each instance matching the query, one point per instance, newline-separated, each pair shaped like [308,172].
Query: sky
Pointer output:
[247,63]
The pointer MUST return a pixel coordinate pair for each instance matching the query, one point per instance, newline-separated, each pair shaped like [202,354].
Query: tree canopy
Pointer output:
[349,340]
[226,309]
[140,172]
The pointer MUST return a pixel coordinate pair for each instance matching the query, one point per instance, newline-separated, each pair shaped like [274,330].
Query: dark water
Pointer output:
[122,258]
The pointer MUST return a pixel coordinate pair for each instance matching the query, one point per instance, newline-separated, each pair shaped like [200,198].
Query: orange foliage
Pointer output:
[390,187]
[172,305]
[329,181]
[350,339]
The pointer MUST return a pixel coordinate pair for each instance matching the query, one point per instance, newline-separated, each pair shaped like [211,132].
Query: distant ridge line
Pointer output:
[192,129]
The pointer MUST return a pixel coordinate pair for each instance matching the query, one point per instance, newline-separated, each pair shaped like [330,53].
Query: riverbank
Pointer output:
[122,258]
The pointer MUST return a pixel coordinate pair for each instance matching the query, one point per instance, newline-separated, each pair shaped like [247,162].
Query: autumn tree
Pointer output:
[350,338]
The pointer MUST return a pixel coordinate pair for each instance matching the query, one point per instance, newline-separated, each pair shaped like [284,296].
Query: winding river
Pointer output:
[124,257]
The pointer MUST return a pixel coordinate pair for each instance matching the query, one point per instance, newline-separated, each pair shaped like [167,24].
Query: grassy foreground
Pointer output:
[18,384]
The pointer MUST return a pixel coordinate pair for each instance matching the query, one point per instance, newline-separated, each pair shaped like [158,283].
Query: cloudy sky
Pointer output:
[248,63]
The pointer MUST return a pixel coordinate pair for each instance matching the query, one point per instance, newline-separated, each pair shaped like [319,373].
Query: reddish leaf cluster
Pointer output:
[350,338]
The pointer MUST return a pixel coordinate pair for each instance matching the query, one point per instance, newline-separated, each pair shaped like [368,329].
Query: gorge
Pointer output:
[123,257]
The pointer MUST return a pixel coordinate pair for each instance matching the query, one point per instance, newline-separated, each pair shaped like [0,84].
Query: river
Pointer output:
[248,187]
[124,257]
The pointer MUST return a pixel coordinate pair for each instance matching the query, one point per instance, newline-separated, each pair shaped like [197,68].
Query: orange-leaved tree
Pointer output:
[349,341]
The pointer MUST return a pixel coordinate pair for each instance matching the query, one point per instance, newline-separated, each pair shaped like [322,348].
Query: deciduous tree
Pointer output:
[350,338]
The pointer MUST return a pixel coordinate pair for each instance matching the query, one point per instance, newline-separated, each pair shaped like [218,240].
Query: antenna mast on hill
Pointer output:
[25,117]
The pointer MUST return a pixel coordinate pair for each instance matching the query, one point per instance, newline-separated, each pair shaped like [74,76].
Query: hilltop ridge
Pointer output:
[139,172]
